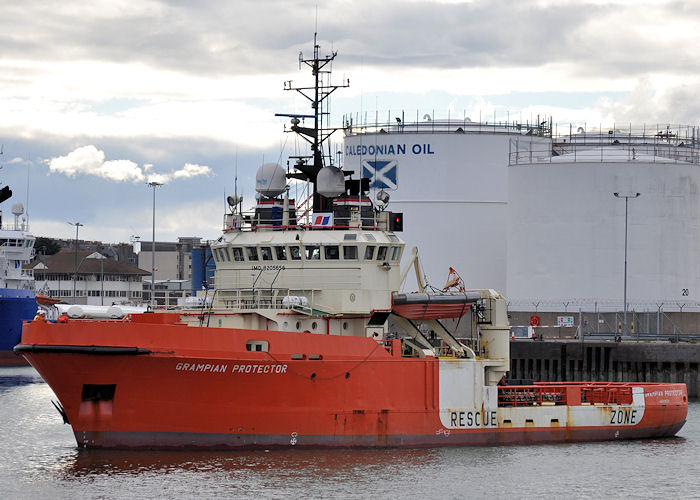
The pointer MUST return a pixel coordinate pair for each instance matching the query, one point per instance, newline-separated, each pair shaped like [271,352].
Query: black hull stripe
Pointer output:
[80,349]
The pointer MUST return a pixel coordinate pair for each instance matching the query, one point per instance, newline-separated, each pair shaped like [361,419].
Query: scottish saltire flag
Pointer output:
[383,174]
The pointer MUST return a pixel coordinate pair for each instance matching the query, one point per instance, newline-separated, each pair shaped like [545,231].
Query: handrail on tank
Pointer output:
[434,122]
[659,144]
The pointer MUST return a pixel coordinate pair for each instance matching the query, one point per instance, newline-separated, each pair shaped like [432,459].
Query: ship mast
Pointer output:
[308,167]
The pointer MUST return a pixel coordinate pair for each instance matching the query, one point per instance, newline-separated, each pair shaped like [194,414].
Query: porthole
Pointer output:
[285,325]
[345,325]
[314,325]
[298,325]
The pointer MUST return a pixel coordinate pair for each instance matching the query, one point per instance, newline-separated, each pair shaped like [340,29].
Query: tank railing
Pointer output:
[672,134]
[433,122]
[524,154]
[662,144]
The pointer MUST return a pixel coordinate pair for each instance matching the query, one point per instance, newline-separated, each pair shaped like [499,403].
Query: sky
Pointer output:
[98,98]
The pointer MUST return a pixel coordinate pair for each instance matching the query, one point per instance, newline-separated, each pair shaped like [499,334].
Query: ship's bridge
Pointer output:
[334,270]
[344,261]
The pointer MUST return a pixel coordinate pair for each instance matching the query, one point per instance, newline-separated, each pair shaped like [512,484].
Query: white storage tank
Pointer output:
[566,230]
[450,181]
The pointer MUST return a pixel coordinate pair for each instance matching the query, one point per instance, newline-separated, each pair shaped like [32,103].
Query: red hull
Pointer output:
[171,386]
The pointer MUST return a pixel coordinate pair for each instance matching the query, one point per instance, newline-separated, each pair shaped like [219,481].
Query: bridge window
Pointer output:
[266,253]
[281,253]
[252,253]
[369,236]
[350,252]
[332,252]
[369,252]
[313,252]
[228,256]
[237,254]
[381,253]
[295,252]
[394,253]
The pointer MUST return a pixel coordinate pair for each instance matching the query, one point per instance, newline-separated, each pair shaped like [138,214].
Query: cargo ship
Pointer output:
[305,340]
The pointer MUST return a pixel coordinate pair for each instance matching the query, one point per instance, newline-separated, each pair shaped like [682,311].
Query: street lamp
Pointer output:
[75,273]
[624,317]
[98,255]
[154,185]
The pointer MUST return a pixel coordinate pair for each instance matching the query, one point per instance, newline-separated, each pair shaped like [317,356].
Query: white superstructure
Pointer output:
[16,249]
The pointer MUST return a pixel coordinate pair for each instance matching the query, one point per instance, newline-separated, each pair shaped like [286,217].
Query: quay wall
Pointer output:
[573,361]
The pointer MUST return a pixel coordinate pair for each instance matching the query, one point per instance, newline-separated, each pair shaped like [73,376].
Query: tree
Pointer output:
[46,246]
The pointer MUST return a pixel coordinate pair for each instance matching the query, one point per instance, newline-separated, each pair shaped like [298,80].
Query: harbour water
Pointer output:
[39,459]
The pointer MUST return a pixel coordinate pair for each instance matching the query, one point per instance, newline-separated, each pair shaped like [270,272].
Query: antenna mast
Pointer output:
[316,136]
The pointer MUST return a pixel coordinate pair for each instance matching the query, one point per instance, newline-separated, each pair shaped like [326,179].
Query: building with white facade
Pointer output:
[100,280]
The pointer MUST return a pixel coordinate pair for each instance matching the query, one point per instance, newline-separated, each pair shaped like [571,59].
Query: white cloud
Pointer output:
[188,171]
[159,178]
[88,160]
[191,170]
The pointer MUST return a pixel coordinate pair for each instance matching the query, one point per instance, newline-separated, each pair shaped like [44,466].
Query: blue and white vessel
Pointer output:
[17,298]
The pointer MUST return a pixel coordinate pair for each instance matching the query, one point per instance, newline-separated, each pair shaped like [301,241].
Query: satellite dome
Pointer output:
[270,179]
[17,209]
[330,182]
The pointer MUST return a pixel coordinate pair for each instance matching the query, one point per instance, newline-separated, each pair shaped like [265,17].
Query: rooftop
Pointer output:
[89,262]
